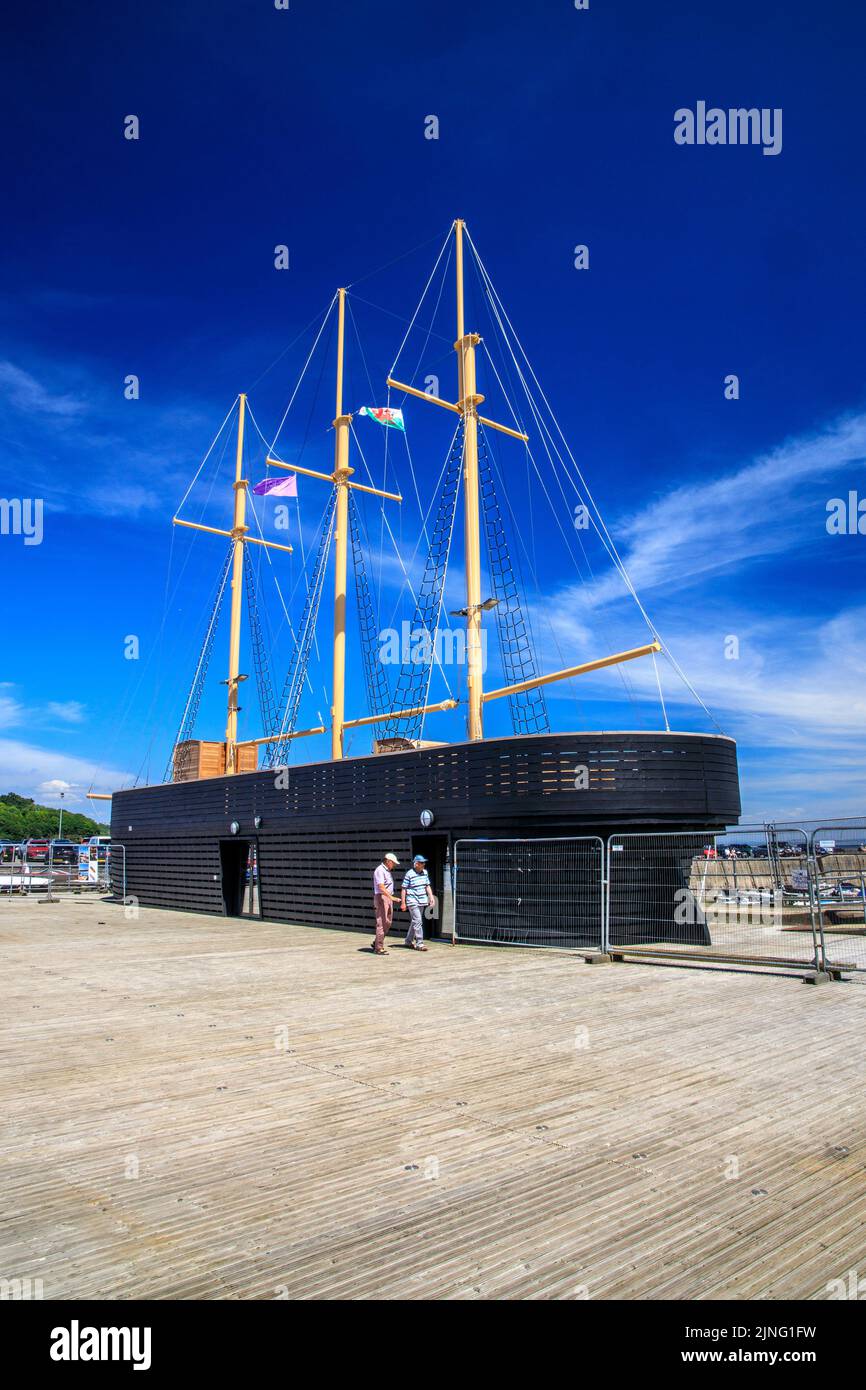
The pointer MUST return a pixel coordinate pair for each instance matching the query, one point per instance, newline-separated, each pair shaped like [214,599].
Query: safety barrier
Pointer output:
[727,896]
[532,892]
[775,894]
[77,869]
[838,853]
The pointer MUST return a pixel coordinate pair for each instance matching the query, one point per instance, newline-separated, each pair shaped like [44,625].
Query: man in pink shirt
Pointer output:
[383,900]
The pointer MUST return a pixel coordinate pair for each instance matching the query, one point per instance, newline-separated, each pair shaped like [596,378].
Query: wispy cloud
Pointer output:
[26,393]
[11,710]
[29,769]
[707,526]
[70,711]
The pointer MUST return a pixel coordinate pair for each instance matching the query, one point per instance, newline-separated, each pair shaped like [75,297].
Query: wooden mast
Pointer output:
[469,402]
[239,530]
[340,479]
[467,406]
[240,538]
[342,473]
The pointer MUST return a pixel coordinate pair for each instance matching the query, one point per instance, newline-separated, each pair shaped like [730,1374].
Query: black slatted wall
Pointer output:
[324,826]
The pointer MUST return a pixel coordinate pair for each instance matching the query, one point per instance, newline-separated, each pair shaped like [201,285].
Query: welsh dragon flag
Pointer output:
[393,419]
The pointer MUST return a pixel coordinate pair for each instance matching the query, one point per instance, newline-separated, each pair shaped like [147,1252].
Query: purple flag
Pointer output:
[278,487]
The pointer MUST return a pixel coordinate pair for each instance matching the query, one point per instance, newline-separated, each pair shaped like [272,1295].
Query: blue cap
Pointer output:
[418,859]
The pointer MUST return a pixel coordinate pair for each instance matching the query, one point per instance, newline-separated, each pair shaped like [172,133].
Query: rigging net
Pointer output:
[193,700]
[528,707]
[375,676]
[293,686]
[413,681]
[261,661]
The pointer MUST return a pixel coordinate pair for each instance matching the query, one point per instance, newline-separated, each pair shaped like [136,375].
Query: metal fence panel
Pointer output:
[78,869]
[530,892]
[838,854]
[735,895]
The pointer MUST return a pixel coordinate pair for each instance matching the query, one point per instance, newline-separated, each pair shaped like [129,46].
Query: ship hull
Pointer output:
[316,831]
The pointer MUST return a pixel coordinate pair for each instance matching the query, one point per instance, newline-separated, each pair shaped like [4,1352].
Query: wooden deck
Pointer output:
[308,1121]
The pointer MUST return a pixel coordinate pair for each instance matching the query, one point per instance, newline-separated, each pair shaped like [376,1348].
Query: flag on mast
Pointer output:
[393,419]
[278,487]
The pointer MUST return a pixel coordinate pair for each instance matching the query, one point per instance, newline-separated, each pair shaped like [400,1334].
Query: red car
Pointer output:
[37,849]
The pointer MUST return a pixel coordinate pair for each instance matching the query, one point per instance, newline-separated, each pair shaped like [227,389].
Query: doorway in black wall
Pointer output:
[435,850]
[240,878]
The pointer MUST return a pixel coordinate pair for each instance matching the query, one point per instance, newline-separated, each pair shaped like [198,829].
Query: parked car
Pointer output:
[64,851]
[37,849]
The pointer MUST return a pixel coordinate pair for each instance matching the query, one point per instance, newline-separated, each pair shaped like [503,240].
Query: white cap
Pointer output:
[391,855]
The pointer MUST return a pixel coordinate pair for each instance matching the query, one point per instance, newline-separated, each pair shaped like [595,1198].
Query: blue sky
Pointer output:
[305,127]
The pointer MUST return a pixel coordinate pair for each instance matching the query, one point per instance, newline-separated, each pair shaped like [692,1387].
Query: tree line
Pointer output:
[21,818]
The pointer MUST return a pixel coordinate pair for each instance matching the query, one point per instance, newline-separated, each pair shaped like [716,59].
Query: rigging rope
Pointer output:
[303,372]
[407,582]
[261,662]
[445,245]
[528,707]
[598,520]
[190,713]
[530,457]
[294,683]
[376,679]
[413,681]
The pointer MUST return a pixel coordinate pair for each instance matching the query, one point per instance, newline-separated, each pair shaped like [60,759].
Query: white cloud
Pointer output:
[70,711]
[27,769]
[56,788]
[11,711]
[701,528]
[27,394]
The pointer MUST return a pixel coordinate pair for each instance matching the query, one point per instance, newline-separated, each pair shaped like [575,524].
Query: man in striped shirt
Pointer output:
[416,894]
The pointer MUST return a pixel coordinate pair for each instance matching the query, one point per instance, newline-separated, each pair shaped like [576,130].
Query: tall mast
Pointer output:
[469,402]
[239,530]
[340,479]
[467,407]
[342,473]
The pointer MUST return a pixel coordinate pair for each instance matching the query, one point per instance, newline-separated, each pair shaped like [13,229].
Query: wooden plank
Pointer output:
[471,1124]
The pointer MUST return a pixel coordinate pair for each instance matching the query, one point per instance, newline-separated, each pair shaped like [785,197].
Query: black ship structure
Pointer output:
[239,829]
